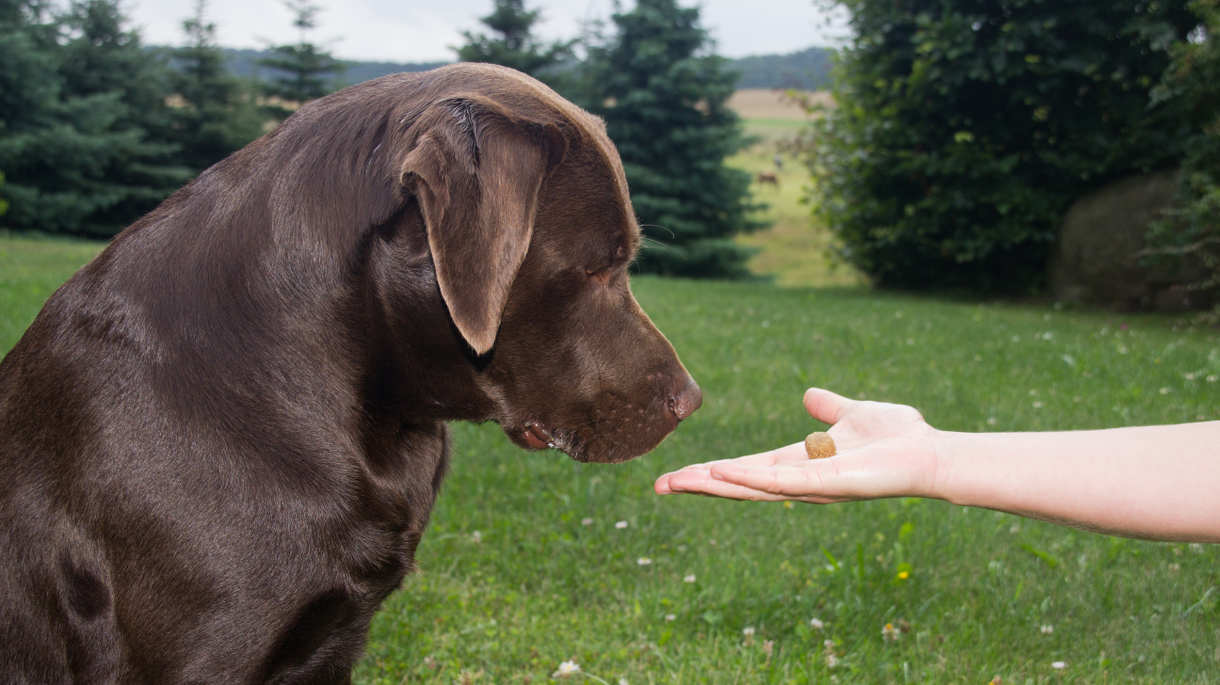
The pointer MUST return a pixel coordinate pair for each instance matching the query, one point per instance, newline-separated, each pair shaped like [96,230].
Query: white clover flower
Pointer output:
[566,669]
[1047,629]
[690,578]
[1058,665]
[620,525]
[816,623]
[586,521]
[670,617]
[643,561]
[748,631]
[476,537]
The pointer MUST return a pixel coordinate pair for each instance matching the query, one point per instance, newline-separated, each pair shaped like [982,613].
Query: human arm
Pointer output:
[1160,482]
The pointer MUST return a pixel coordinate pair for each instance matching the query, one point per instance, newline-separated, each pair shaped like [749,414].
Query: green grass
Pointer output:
[537,586]
[30,270]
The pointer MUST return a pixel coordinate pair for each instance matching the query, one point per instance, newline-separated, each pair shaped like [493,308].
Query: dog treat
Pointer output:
[819,445]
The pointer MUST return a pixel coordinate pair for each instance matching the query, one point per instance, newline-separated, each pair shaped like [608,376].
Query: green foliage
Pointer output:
[512,43]
[104,62]
[84,120]
[664,102]
[218,114]
[964,129]
[302,71]
[1190,236]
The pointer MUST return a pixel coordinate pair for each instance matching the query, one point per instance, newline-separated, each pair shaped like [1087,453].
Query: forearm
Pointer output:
[1160,482]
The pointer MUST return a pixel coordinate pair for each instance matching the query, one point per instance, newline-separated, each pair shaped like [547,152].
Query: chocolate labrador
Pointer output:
[221,439]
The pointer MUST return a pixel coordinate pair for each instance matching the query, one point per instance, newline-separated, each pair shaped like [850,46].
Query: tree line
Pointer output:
[96,128]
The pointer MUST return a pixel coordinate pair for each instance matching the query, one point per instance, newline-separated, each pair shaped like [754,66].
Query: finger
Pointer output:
[826,406]
[780,455]
[701,482]
[785,480]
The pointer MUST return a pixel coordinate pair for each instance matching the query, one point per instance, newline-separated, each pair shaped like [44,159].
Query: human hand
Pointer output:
[884,450]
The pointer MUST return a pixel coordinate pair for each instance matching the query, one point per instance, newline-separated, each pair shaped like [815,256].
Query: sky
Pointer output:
[405,31]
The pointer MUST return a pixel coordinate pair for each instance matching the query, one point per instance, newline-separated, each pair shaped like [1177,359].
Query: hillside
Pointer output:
[807,69]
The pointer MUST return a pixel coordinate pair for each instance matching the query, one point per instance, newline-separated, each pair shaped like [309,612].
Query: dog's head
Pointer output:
[530,231]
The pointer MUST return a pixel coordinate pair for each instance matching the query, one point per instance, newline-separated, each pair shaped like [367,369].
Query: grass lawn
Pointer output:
[526,565]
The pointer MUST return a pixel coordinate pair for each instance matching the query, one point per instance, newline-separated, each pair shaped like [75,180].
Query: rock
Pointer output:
[1097,259]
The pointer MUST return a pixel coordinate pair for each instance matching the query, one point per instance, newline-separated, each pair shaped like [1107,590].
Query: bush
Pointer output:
[1188,240]
[964,129]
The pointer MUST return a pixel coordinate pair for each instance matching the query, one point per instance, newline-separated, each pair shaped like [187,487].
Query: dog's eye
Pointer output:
[601,275]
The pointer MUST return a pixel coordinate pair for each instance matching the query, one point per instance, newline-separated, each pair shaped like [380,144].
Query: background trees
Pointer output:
[300,71]
[85,145]
[965,129]
[217,113]
[663,95]
[512,42]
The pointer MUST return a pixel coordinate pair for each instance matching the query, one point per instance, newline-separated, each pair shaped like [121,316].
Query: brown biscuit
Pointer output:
[819,445]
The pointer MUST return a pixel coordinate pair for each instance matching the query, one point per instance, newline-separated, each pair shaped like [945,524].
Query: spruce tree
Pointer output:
[29,107]
[664,98]
[217,114]
[104,65]
[78,99]
[302,71]
[512,43]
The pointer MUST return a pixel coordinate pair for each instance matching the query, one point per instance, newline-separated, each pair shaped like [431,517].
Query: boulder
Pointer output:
[1097,259]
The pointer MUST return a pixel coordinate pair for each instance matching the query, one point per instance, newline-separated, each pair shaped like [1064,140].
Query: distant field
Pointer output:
[795,251]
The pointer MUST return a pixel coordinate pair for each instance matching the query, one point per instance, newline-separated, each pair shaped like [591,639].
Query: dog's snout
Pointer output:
[684,402]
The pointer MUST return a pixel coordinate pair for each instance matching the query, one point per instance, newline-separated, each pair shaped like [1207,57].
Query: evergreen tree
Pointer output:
[217,114]
[74,148]
[513,44]
[663,96]
[104,66]
[28,102]
[303,68]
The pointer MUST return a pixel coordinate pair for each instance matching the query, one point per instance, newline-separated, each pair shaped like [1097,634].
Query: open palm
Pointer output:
[884,450]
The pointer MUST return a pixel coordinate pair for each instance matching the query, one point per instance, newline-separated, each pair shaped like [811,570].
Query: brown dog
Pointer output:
[220,440]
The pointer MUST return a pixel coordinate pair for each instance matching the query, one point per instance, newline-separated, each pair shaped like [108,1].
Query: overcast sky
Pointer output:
[404,31]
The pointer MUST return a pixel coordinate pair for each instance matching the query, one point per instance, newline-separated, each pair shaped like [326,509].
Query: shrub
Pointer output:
[1189,238]
[965,128]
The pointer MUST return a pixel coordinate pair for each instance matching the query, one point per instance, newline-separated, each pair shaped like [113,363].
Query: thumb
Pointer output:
[826,406]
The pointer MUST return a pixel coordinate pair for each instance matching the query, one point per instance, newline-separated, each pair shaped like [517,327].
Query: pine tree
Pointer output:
[29,95]
[664,99]
[77,97]
[217,114]
[512,43]
[303,68]
[105,68]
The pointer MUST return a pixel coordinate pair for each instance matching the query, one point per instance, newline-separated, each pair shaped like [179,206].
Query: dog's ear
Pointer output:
[475,171]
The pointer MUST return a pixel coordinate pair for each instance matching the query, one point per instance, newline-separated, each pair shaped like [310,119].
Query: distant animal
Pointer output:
[767,177]
[220,440]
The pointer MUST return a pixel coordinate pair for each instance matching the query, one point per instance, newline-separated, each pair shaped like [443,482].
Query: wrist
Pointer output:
[945,456]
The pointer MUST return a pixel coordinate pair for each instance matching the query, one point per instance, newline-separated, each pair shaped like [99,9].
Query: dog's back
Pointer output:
[180,501]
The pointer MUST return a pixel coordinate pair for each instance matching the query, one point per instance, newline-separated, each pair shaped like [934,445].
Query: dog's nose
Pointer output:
[687,400]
